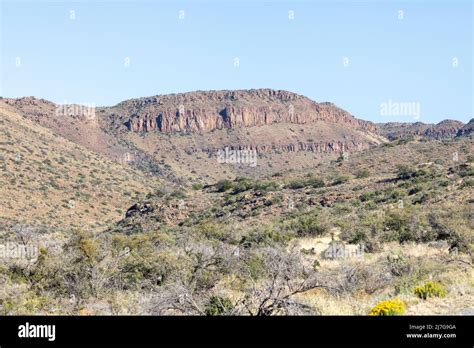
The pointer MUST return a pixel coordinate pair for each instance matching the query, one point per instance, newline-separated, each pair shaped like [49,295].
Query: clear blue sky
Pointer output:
[82,60]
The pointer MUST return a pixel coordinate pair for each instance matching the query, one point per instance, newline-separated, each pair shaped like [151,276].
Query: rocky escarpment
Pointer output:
[467,129]
[442,130]
[202,112]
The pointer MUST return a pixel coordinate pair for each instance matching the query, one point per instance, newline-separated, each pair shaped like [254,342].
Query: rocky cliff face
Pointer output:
[442,130]
[202,112]
[467,129]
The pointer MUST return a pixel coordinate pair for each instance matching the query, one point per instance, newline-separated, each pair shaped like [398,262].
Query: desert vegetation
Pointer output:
[387,230]
[353,237]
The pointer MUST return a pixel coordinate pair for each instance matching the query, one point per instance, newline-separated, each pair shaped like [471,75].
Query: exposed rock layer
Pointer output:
[442,130]
[467,129]
[205,111]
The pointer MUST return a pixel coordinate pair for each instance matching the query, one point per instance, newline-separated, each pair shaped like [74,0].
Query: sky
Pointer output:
[382,61]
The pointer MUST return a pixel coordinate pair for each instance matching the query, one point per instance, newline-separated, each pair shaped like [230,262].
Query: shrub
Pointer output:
[367,196]
[223,185]
[404,225]
[218,306]
[363,173]
[242,186]
[266,186]
[266,235]
[197,186]
[309,224]
[315,182]
[390,307]
[180,194]
[311,181]
[212,230]
[405,140]
[405,172]
[256,266]
[340,179]
[430,289]
[295,185]
[467,183]
[465,170]
[397,193]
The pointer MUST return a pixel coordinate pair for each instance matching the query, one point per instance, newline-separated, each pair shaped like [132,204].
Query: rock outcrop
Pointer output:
[467,129]
[202,112]
[31,106]
[442,130]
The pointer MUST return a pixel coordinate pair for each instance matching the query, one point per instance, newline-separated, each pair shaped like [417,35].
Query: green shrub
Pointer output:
[256,266]
[212,230]
[315,182]
[397,193]
[223,185]
[430,289]
[363,173]
[197,186]
[242,186]
[340,179]
[399,227]
[266,186]
[465,170]
[405,172]
[266,235]
[309,224]
[367,196]
[296,184]
[468,183]
[218,305]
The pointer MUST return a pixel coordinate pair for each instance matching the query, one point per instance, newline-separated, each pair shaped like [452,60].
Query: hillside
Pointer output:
[50,181]
[443,130]
[177,137]
[137,214]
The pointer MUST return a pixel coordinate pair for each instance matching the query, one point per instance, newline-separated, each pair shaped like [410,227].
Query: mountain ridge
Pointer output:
[178,136]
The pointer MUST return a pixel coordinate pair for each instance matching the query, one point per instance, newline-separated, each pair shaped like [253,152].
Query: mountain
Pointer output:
[442,130]
[48,180]
[206,111]
[179,136]
[467,129]
[136,209]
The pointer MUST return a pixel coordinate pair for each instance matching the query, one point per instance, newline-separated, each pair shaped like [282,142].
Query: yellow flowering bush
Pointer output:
[430,289]
[390,307]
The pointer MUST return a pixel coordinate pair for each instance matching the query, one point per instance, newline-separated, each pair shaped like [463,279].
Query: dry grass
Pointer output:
[49,181]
